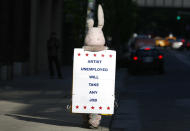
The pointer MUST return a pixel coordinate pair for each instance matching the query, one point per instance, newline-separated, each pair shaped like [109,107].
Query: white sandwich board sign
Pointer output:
[93,81]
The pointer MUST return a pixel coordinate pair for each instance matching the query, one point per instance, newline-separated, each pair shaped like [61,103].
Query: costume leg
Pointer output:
[94,120]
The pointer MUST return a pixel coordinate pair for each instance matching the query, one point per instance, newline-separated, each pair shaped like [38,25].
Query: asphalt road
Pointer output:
[152,102]
[147,102]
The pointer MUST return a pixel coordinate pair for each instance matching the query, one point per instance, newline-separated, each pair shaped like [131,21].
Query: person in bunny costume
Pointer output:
[94,41]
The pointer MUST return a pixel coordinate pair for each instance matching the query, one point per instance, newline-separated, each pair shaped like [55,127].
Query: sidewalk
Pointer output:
[37,103]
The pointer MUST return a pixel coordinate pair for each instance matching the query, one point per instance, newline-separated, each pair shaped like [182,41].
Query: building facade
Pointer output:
[164,3]
[45,17]
[26,26]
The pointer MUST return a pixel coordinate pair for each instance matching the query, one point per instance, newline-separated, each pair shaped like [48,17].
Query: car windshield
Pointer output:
[144,53]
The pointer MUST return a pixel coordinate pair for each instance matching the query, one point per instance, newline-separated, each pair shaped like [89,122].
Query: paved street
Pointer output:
[147,102]
[37,103]
[151,102]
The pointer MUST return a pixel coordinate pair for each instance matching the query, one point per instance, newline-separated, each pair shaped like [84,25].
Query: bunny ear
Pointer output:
[90,23]
[100,17]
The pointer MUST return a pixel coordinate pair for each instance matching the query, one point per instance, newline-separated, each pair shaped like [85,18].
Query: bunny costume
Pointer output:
[94,41]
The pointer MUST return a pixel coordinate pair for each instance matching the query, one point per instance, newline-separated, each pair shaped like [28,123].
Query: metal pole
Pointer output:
[90,11]
[182,3]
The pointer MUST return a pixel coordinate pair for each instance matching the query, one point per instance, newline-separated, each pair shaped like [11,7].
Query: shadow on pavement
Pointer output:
[44,120]
[47,106]
[41,99]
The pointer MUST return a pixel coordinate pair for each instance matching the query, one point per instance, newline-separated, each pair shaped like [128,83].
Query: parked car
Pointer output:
[179,44]
[186,44]
[146,58]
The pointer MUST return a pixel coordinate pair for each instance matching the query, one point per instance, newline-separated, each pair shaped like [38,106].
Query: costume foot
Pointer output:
[92,127]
